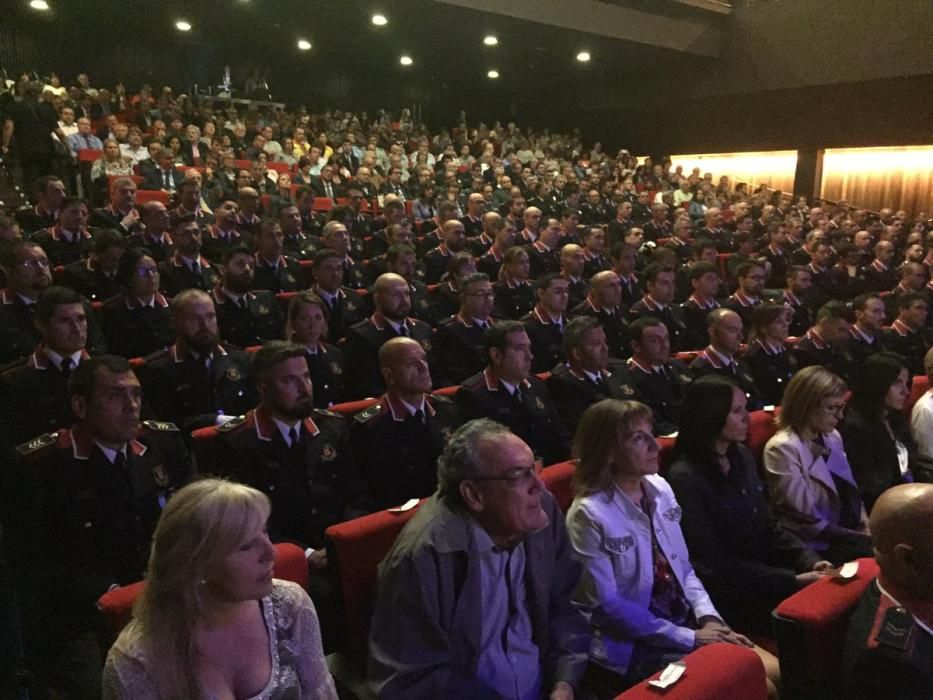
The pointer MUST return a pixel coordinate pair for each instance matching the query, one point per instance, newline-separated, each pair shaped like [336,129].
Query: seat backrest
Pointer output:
[558,480]
[143,196]
[666,454]
[203,441]
[761,428]
[920,386]
[714,672]
[351,408]
[810,627]
[117,605]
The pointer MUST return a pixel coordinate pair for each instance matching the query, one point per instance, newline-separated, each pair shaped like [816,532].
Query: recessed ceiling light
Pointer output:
[583,56]
[405,60]
[492,74]
[39,4]
[183,26]
[380,20]
[490,40]
[304,44]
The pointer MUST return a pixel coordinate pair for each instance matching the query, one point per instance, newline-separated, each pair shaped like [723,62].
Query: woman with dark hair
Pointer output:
[747,562]
[771,364]
[648,607]
[445,298]
[515,294]
[307,326]
[138,321]
[425,207]
[875,432]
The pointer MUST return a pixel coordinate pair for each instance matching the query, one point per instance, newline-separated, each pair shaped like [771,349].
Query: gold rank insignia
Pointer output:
[627,390]
[336,368]
[426,344]
[214,279]
[262,309]
[328,453]
[290,278]
[539,403]
[351,306]
[233,374]
[160,476]
[423,303]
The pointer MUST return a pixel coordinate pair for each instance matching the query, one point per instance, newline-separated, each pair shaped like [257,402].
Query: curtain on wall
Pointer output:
[872,178]
[774,169]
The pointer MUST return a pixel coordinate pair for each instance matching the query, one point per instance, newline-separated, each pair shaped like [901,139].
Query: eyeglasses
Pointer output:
[33,264]
[517,476]
[837,409]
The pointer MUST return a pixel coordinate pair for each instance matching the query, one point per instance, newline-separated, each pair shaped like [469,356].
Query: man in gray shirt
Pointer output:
[474,598]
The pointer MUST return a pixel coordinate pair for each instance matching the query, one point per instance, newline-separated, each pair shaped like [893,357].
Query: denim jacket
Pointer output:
[611,537]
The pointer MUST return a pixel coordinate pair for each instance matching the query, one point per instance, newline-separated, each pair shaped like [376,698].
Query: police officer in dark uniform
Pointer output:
[398,441]
[138,321]
[96,278]
[88,500]
[187,268]
[301,458]
[197,379]
[275,272]
[704,284]
[223,234]
[906,335]
[246,317]
[296,243]
[395,235]
[769,359]
[659,293]
[545,323]
[820,344]
[344,306]
[69,239]
[392,301]
[544,253]
[587,375]
[49,193]
[751,279]
[506,392]
[572,266]
[719,357]
[865,334]
[27,273]
[515,294]
[400,259]
[604,304]
[155,238]
[120,213]
[34,391]
[437,260]
[797,298]
[336,237]
[653,376]
[307,327]
[459,339]
[889,646]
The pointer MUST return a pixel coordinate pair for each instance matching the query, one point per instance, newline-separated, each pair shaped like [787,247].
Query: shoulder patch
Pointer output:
[37,444]
[156,355]
[231,424]
[368,414]
[325,412]
[440,398]
[161,426]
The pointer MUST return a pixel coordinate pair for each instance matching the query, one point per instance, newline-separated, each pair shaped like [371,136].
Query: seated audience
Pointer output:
[704,283]
[306,325]
[647,605]
[197,630]
[875,431]
[475,595]
[27,271]
[69,239]
[444,298]
[95,277]
[545,322]
[155,237]
[397,441]
[506,391]
[724,329]
[604,303]
[812,490]
[459,338]
[657,302]
[921,415]
[245,317]
[820,344]
[120,213]
[515,295]
[186,268]
[907,336]
[89,499]
[746,561]
[112,163]
[889,645]
[274,271]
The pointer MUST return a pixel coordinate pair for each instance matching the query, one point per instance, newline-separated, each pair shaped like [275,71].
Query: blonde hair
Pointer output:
[297,303]
[202,524]
[804,393]
[597,440]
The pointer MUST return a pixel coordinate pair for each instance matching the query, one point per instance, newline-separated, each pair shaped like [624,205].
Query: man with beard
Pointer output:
[87,502]
[392,300]
[245,317]
[275,271]
[437,259]
[296,243]
[198,380]
[301,458]
[27,271]
[187,268]
[223,234]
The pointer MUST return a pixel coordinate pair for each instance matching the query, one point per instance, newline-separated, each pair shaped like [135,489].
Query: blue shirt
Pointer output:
[79,142]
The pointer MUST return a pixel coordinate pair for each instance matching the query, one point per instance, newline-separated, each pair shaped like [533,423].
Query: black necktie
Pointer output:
[292,437]
[403,331]
[241,303]
[196,268]
[417,417]
[119,460]
[165,179]
[66,367]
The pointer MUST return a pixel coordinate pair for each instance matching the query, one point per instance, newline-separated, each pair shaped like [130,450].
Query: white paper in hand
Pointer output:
[669,675]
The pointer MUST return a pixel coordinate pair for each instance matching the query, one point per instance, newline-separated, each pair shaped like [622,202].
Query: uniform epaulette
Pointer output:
[156,355]
[368,414]
[161,426]
[37,444]
[13,365]
[231,424]
[325,412]
[440,398]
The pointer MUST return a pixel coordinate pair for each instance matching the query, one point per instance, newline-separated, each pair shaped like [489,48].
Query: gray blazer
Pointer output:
[425,635]
[800,481]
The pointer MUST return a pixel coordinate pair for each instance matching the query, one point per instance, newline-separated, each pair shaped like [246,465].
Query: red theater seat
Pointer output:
[557,478]
[143,196]
[810,627]
[918,388]
[760,429]
[117,605]
[89,155]
[202,445]
[714,672]
[322,204]
[138,179]
[351,408]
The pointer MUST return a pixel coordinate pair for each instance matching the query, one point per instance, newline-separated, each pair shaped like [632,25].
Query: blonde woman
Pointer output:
[212,622]
[812,489]
[648,606]
[515,293]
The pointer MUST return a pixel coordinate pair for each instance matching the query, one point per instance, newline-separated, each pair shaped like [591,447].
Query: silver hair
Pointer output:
[461,457]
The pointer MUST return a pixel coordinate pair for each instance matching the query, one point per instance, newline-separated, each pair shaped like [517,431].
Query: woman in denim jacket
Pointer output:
[647,605]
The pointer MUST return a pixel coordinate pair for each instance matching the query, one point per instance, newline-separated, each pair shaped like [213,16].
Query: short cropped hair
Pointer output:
[461,456]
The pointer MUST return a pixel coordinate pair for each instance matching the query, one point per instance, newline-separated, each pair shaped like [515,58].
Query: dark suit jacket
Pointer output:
[153,180]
